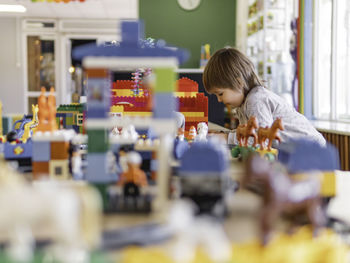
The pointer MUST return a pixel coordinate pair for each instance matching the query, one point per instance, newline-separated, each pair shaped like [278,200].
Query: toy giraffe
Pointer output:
[32,124]
[47,111]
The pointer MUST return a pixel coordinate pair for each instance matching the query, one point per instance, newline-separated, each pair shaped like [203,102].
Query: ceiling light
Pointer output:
[13,8]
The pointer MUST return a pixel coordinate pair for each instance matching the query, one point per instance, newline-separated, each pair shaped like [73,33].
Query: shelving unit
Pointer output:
[268,30]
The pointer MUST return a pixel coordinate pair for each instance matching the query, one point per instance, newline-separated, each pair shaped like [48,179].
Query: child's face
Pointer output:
[229,97]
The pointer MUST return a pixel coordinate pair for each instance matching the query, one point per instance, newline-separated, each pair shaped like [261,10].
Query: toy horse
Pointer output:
[244,131]
[283,196]
[270,134]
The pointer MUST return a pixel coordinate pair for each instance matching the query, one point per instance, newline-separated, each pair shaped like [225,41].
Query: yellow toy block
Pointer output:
[327,181]
[138,113]
[117,108]
[299,247]
[193,114]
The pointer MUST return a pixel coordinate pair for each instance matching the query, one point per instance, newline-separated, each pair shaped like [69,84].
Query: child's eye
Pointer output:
[220,94]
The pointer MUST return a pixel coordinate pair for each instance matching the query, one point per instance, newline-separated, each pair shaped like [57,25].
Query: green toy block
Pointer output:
[165,80]
[97,141]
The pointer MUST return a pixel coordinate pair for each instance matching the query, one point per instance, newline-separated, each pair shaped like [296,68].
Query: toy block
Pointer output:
[154,165]
[145,155]
[132,32]
[165,80]
[164,105]
[40,169]
[97,169]
[69,119]
[41,151]
[97,141]
[58,169]
[59,150]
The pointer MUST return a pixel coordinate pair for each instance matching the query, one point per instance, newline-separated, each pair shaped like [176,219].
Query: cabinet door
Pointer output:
[41,66]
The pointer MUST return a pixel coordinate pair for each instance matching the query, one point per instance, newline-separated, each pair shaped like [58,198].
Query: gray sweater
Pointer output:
[266,106]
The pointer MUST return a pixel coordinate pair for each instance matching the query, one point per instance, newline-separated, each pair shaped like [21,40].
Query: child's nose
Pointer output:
[218,97]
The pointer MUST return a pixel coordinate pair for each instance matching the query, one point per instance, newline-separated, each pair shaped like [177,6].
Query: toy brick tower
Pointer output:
[50,146]
[130,54]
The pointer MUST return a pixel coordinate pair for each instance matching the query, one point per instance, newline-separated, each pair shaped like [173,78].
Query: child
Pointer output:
[230,75]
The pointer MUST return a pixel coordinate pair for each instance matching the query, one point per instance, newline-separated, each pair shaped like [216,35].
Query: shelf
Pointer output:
[189,70]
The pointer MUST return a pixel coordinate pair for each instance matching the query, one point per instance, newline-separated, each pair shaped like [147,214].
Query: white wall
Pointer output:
[11,90]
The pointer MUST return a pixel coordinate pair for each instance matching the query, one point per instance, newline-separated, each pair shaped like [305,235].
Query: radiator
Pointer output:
[341,142]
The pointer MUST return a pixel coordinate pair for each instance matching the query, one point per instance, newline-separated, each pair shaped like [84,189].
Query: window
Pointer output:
[331,65]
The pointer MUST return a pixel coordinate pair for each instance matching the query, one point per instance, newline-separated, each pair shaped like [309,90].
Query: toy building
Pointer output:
[191,103]
[70,116]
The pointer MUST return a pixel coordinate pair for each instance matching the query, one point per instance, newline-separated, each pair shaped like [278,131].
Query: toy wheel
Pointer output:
[131,189]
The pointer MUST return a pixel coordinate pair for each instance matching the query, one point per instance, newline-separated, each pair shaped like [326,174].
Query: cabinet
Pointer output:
[268,42]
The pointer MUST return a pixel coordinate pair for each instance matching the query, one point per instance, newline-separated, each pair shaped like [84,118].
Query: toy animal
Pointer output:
[270,134]
[283,196]
[244,131]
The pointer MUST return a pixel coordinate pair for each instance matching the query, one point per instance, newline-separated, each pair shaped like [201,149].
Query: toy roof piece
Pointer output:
[132,33]
[305,155]
[186,85]
[204,157]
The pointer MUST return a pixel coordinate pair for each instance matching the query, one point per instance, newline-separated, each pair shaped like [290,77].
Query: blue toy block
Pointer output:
[145,155]
[18,151]
[204,157]
[154,165]
[164,105]
[131,31]
[97,169]
[98,97]
[305,155]
[41,151]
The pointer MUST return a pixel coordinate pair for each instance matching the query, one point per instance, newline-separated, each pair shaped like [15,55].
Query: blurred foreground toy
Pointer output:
[303,157]
[204,177]
[283,196]
[192,231]
[68,215]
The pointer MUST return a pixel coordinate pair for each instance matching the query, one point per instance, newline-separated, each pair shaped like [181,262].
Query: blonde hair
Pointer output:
[230,68]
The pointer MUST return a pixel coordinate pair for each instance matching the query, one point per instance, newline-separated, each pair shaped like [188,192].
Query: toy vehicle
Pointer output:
[204,178]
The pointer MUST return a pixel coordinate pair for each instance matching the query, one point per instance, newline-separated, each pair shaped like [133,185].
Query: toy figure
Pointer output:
[202,129]
[134,177]
[244,131]
[28,127]
[282,195]
[181,134]
[192,133]
[130,133]
[270,134]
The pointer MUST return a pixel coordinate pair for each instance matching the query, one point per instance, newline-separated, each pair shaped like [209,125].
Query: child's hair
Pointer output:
[229,68]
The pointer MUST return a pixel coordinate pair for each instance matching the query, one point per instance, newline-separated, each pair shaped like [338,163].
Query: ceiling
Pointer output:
[98,9]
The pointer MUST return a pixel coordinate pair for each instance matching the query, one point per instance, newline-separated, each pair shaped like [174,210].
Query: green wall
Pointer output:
[213,22]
